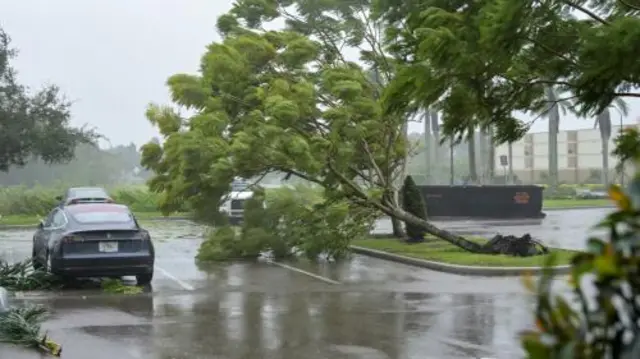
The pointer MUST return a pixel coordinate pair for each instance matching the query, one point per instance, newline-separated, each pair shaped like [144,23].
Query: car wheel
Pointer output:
[35,263]
[144,279]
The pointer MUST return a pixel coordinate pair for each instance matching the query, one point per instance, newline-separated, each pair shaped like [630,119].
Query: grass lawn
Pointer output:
[576,203]
[441,251]
[33,220]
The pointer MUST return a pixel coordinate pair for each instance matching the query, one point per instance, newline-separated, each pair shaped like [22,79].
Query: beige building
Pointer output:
[579,156]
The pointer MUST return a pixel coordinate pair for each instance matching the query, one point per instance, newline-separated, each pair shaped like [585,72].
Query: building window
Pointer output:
[572,148]
[572,162]
[572,136]
[528,162]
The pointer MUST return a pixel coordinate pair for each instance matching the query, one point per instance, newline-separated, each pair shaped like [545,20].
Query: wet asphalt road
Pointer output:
[364,308]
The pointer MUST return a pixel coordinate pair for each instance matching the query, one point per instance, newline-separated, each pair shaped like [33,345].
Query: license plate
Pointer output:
[108,247]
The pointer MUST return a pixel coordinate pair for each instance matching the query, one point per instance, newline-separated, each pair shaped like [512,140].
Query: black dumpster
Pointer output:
[490,202]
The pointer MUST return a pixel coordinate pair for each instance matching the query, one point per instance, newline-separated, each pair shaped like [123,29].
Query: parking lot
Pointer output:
[364,308]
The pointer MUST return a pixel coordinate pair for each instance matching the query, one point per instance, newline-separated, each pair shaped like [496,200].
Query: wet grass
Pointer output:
[34,220]
[575,203]
[441,251]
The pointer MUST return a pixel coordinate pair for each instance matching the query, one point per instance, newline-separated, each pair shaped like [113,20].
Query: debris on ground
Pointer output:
[116,286]
[22,276]
[524,246]
[22,326]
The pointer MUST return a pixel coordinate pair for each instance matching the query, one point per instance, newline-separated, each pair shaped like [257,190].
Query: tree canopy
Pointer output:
[481,61]
[288,100]
[33,125]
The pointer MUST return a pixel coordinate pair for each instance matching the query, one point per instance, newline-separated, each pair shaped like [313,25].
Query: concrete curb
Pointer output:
[154,219]
[579,207]
[457,269]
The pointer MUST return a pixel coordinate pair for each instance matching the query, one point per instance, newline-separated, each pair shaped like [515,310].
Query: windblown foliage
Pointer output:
[290,101]
[480,61]
[33,125]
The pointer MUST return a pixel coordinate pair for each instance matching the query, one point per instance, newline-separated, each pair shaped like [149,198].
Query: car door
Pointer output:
[42,235]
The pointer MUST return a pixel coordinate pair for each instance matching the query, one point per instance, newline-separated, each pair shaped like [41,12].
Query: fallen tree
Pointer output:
[286,101]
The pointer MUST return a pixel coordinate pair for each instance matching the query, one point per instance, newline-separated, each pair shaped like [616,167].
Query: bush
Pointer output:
[290,221]
[38,201]
[413,203]
[603,319]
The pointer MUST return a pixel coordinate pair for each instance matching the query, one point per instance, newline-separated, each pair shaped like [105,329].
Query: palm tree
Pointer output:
[435,131]
[427,144]
[603,122]
[510,159]
[491,154]
[552,112]
[471,144]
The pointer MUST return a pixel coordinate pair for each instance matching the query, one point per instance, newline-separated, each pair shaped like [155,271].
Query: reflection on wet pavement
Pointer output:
[259,310]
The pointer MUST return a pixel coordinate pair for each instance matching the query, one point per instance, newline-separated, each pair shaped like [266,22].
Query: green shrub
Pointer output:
[287,222]
[413,203]
[38,201]
[608,276]
[605,320]
[217,245]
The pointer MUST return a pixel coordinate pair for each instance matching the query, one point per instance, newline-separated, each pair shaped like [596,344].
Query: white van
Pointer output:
[234,206]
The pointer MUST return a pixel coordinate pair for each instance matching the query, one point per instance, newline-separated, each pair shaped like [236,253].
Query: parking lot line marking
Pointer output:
[184,285]
[312,275]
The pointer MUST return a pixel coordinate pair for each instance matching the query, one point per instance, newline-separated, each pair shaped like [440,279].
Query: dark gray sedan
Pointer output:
[94,240]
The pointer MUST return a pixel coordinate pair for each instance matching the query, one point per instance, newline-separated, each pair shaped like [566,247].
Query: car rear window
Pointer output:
[103,217]
[89,193]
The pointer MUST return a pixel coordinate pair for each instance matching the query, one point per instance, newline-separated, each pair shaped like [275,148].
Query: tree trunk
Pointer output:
[389,205]
[396,224]
[435,142]
[510,157]
[427,145]
[481,151]
[554,123]
[605,162]
[452,238]
[473,170]
[492,156]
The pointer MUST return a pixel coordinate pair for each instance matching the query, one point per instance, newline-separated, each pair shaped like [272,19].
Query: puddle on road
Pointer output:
[313,325]
[381,310]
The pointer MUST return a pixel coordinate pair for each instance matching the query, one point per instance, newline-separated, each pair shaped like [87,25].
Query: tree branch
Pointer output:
[586,12]
[626,94]
[632,7]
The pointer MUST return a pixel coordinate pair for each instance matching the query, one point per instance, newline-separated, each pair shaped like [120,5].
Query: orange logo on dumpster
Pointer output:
[521,198]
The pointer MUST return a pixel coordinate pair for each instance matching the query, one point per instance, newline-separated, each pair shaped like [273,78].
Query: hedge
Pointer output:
[38,201]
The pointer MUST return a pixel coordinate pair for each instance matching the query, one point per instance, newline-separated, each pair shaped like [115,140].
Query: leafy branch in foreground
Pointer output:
[22,276]
[606,285]
[22,326]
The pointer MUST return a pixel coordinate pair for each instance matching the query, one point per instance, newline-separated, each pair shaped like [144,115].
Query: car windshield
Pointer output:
[103,217]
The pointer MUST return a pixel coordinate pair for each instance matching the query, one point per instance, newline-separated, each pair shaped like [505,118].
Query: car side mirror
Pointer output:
[58,198]
[41,224]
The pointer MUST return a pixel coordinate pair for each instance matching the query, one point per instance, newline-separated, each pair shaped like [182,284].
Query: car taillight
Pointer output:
[75,201]
[110,201]
[71,239]
[144,235]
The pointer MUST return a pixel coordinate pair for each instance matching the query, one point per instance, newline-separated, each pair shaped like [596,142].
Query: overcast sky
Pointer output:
[113,57]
